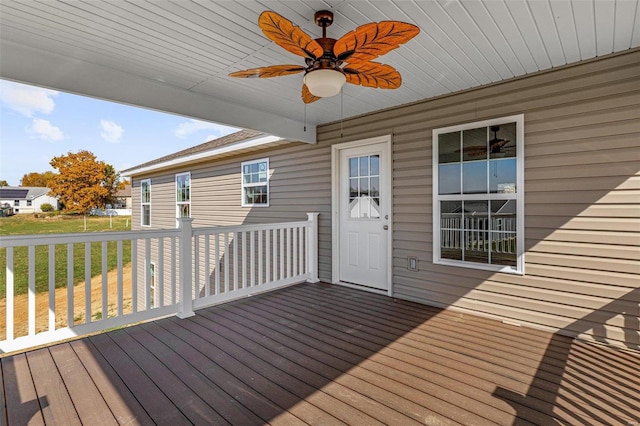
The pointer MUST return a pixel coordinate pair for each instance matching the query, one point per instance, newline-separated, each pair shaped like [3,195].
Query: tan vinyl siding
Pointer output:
[582,198]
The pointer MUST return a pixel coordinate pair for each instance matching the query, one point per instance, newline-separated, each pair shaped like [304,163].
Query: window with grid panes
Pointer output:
[478,197]
[255,183]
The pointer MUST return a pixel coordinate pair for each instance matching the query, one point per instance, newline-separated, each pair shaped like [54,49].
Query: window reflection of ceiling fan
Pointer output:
[495,146]
[330,62]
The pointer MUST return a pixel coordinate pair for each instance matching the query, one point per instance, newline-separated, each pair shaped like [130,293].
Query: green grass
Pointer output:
[27,224]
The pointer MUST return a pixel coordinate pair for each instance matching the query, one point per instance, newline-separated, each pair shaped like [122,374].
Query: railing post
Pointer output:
[312,248]
[185,254]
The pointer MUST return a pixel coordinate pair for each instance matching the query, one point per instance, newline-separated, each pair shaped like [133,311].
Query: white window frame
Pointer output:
[143,203]
[251,185]
[518,196]
[180,203]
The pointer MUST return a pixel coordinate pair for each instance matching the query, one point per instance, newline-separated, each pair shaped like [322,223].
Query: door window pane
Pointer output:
[364,187]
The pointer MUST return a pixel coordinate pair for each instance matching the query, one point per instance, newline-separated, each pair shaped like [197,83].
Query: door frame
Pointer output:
[387,186]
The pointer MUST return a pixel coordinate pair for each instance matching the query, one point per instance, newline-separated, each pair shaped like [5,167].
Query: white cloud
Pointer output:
[193,126]
[111,132]
[27,99]
[46,130]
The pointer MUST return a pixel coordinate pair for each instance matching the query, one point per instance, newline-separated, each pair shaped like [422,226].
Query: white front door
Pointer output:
[364,210]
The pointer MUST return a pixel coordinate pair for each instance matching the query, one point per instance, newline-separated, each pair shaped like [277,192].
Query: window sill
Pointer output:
[470,265]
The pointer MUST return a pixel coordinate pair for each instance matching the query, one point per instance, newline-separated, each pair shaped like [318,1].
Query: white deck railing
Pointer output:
[172,271]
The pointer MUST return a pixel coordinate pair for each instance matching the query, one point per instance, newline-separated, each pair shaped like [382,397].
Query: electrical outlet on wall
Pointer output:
[412,263]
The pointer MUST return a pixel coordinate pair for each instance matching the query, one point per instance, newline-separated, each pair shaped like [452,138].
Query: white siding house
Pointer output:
[26,199]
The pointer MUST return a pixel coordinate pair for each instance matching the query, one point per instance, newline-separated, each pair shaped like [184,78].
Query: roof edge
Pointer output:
[224,149]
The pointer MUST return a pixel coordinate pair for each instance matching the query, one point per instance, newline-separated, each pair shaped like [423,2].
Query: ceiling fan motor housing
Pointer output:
[323,18]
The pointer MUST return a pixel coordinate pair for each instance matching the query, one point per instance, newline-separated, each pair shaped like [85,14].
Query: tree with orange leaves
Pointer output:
[37,179]
[83,182]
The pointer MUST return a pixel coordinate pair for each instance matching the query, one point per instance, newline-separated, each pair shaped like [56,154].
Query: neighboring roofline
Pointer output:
[33,192]
[224,149]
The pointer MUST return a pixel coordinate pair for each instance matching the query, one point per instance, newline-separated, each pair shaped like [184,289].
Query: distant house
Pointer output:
[26,199]
[123,198]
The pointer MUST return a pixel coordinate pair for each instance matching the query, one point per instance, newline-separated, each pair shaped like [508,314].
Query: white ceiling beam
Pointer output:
[24,64]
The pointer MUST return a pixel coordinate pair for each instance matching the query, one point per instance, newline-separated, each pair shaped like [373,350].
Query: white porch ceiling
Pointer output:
[174,56]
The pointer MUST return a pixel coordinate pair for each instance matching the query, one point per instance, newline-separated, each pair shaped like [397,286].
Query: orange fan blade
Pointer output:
[289,36]
[307,97]
[373,74]
[369,41]
[272,71]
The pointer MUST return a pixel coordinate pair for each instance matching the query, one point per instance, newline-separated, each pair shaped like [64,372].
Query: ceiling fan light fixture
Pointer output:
[325,83]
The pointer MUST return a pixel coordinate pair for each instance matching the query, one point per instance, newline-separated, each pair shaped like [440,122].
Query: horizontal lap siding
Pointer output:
[300,183]
[582,183]
[582,195]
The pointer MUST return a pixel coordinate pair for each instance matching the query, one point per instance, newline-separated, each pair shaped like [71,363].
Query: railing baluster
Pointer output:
[282,247]
[52,287]
[295,251]
[289,243]
[70,282]
[252,250]
[9,292]
[31,310]
[120,301]
[87,282]
[105,282]
[235,261]
[196,266]
[147,273]
[243,243]
[216,290]
[269,255]
[207,266]
[260,254]
[134,275]
[173,270]
[159,277]
[226,262]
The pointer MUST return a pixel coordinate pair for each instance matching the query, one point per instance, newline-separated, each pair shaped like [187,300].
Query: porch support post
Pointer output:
[185,253]
[312,248]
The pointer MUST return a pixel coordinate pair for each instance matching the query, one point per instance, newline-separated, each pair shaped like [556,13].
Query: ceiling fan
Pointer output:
[330,62]
[495,146]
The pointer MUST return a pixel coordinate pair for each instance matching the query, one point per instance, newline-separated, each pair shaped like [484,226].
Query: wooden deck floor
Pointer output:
[320,354]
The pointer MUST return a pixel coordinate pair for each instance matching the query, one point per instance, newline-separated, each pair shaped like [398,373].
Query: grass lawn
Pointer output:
[27,224]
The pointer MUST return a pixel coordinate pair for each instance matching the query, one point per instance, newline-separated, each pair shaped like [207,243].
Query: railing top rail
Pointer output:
[44,239]
[245,228]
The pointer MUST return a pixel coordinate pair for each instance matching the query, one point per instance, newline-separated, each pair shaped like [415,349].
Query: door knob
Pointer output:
[385,227]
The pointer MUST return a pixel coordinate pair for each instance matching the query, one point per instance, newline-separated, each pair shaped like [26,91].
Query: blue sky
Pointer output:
[38,124]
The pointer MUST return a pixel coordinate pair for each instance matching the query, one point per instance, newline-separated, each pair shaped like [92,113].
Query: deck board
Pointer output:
[58,407]
[312,354]
[23,404]
[150,396]
[88,403]
[122,403]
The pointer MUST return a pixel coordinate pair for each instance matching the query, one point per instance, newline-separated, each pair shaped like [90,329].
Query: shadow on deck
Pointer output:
[322,354]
